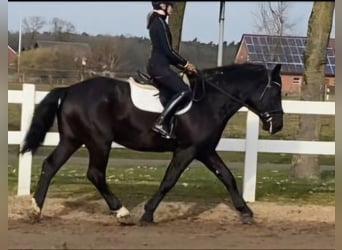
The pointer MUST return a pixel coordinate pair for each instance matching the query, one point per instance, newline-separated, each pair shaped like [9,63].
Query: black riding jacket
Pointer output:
[162,52]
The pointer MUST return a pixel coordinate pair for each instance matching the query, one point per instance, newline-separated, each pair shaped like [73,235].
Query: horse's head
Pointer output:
[269,105]
[252,86]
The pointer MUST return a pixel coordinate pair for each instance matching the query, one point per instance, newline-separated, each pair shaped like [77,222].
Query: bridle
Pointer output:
[266,116]
[268,86]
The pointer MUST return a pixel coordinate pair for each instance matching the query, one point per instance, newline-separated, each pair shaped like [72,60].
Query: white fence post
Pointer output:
[25,160]
[251,157]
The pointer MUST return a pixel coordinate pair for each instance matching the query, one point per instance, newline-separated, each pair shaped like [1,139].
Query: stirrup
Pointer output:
[163,133]
[159,130]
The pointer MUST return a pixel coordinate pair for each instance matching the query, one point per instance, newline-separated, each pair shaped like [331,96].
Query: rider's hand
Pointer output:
[191,67]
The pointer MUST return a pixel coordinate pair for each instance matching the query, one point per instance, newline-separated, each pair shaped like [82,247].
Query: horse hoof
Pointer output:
[247,219]
[144,223]
[34,217]
[124,217]
[126,221]
[146,220]
[34,214]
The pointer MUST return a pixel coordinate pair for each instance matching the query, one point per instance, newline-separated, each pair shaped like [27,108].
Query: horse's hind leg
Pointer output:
[98,159]
[179,162]
[216,165]
[50,167]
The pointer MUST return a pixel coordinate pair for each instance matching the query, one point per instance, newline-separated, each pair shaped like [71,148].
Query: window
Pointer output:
[296,80]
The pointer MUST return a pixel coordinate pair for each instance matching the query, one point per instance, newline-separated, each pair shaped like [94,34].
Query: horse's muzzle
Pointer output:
[272,124]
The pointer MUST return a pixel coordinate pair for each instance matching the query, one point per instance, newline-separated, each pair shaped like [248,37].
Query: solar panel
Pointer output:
[331,60]
[291,42]
[294,50]
[330,52]
[328,69]
[248,40]
[289,51]
[296,59]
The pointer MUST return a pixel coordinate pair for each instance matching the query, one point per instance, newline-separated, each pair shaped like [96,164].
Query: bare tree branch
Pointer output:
[272,18]
[61,28]
[33,25]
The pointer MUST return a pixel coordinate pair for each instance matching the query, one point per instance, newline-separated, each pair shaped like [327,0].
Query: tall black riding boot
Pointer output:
[161,125]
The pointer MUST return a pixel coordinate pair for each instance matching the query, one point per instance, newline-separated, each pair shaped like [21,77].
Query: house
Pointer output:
[12,57]
[81,51]
[287,50]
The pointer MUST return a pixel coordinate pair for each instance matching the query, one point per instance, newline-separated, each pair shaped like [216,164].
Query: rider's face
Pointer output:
[169,9]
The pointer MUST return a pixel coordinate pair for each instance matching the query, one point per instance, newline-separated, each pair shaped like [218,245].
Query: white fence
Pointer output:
[251,145]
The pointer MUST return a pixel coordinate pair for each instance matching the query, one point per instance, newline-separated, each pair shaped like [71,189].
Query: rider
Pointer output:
[162,56]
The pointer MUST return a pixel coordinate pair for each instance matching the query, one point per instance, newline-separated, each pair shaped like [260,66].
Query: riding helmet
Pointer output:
[156,4]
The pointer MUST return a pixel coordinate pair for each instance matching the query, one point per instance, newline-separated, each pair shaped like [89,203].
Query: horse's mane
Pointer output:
[237,66]
[197,81]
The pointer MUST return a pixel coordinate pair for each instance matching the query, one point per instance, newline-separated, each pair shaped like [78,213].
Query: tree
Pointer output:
[272,19]
[33,25]
[61,28]
[315,56]
[176,24]
[109,53]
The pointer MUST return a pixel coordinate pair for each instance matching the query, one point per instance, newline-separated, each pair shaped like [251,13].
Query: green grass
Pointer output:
[124,153]
[134,184]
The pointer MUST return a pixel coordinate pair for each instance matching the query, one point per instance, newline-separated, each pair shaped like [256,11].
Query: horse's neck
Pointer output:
[217,104]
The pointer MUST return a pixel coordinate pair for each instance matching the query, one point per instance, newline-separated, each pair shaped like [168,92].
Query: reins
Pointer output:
[265,115]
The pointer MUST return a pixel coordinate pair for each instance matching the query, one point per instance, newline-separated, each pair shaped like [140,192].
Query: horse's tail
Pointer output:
[43,119]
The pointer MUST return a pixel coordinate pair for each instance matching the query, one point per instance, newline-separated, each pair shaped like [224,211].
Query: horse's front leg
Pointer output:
[216,165]
[181,159]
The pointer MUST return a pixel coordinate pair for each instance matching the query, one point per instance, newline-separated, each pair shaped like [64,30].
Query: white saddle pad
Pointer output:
[146,97]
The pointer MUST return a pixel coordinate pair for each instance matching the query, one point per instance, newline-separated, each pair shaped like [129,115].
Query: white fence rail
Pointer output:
[251,145]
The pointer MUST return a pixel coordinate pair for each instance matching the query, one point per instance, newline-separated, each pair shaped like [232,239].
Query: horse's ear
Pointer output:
[276,69]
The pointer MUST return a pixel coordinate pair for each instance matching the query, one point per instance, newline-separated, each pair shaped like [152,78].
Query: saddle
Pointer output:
[147,97]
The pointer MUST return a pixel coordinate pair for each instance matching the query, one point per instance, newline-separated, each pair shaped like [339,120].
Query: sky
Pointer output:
[128,18]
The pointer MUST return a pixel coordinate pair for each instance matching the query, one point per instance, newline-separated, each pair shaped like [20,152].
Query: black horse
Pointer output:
[100,110]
